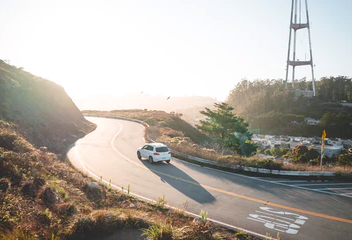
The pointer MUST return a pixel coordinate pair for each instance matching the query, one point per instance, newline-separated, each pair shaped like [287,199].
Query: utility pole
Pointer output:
[296,24]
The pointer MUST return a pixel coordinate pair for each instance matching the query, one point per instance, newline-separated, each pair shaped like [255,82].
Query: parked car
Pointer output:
[154,152]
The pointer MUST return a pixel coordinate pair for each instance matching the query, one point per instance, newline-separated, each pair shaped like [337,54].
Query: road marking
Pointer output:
[335,188]
[119,153]
[321,184]
[293,181]
[275,220]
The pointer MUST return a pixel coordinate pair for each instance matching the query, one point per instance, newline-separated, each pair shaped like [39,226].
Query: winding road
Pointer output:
[297,209]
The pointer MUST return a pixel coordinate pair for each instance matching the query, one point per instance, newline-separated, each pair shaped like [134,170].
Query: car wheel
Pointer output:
[151,159]
[139,155]
[168,161]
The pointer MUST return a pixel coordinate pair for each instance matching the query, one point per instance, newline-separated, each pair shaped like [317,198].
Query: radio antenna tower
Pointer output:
[296,24]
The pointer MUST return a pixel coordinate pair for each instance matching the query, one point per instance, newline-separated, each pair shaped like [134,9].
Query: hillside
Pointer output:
[45,114]
[270,108]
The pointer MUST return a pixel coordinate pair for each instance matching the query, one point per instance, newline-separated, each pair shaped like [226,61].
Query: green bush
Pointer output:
[151,122]
[345,160]
[267,152]
[278,152]
[303,154]
[268,164]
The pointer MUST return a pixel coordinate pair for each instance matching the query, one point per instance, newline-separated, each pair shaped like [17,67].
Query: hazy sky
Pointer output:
[179,47]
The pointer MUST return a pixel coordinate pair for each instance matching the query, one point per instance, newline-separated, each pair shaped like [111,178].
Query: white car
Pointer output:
[154,152]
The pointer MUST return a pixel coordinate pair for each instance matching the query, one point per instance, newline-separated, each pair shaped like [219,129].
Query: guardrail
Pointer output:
[224,165]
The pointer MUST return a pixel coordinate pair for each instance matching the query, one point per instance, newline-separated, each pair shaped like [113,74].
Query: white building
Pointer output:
[311,121]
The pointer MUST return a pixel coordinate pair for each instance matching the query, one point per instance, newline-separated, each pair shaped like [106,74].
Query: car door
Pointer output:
[144,151]
[149,151]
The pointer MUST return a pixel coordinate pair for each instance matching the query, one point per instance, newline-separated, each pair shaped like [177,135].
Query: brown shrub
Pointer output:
[22,146]
[39,182]
[66,209]
[11,171]
[44,218]
[29,189]
[171,132]
[152,132]
[93,192]
[200,230]
[49,196]
[7,138]
[5,184]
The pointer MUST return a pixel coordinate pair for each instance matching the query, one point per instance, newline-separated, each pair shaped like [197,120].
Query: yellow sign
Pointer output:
[323,141]
[323,136]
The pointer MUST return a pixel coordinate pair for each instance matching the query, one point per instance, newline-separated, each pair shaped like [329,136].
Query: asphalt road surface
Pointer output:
[297,209]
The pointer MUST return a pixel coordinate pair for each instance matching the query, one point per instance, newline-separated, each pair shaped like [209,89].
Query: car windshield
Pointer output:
[162,149]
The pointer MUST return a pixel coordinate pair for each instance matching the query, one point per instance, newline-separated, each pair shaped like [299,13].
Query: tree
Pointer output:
[227,129]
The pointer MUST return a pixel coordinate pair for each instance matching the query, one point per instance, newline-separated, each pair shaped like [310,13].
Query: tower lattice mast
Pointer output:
[296,24]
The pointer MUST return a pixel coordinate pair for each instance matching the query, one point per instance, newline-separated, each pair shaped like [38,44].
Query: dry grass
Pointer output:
[307,167]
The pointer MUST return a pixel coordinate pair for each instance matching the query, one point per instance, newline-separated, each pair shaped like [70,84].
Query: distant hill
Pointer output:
[44,113]
[142,101]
